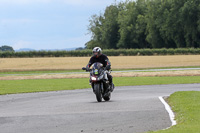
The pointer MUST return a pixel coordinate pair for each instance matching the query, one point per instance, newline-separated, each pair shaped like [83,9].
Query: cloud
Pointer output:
[21,44]
[20,20]
[77,41]
[60,43]
[87,2]
[55,43]
[42,24]
[68,2]
[23,1]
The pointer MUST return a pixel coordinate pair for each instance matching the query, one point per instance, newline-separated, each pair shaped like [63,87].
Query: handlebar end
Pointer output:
[83,68]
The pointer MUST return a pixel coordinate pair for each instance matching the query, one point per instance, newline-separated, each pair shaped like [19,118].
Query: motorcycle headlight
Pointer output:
[94,78]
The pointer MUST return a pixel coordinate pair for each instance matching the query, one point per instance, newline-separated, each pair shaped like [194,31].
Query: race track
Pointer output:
[132,109]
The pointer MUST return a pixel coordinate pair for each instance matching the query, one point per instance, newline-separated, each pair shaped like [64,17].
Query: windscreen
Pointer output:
[97,68]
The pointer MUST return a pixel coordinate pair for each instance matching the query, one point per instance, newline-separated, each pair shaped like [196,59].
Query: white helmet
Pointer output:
[97,51]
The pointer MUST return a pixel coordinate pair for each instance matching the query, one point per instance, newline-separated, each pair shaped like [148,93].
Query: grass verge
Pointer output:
[41,85]
[186,105]
[79,70]
[40,72]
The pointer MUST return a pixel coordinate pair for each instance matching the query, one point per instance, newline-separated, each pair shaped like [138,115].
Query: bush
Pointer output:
[109,52]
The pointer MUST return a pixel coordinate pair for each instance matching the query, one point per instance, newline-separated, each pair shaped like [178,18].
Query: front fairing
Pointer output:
[97,73]
[97,69]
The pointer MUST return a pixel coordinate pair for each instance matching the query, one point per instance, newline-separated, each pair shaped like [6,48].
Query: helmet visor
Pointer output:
[95,53]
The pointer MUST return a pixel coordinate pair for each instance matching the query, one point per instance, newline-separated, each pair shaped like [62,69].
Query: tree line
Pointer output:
[147,24]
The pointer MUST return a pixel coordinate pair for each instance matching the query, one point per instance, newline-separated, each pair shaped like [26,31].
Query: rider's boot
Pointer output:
[90,81]
[112,86]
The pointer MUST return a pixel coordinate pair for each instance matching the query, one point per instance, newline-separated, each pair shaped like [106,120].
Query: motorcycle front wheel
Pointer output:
[98,93]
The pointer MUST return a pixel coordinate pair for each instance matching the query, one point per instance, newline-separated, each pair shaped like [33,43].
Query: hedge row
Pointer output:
[110,52]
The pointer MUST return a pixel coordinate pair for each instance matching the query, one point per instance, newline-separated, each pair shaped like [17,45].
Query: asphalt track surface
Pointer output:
[132,109]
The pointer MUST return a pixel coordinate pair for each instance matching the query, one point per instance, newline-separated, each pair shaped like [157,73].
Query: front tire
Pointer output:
[98,93]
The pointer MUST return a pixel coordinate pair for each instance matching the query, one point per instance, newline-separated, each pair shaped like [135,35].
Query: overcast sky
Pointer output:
[47,24]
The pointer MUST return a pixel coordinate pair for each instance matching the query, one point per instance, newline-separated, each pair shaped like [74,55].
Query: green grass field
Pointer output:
[41,85]
[186,105]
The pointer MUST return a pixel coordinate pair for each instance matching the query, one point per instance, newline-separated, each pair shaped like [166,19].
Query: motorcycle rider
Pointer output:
[101,58]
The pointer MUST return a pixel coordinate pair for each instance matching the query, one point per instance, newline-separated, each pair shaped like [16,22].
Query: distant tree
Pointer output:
[6,48]
[110,27]
[104,28]
[132,25]
[80,48]
[154,22]
[95,29]
[190,16]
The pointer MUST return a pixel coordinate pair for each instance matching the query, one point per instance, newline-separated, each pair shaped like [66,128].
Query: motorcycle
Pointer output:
[99,82]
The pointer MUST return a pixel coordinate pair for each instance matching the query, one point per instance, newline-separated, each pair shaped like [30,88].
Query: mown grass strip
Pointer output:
[39,72]
[41,85]
[186,105]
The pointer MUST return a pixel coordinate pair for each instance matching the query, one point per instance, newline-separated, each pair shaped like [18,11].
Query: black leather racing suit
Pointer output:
[102,59]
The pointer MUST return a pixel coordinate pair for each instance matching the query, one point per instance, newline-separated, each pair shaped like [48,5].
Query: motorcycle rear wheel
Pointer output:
[107,97]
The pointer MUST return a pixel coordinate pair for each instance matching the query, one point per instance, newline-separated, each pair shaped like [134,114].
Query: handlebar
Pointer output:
[83,68]
[86,69]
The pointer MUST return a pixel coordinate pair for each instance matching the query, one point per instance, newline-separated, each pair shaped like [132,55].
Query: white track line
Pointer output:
[168,108]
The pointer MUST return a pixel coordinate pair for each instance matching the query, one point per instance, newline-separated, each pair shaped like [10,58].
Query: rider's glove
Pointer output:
[87,69]
[108,67]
